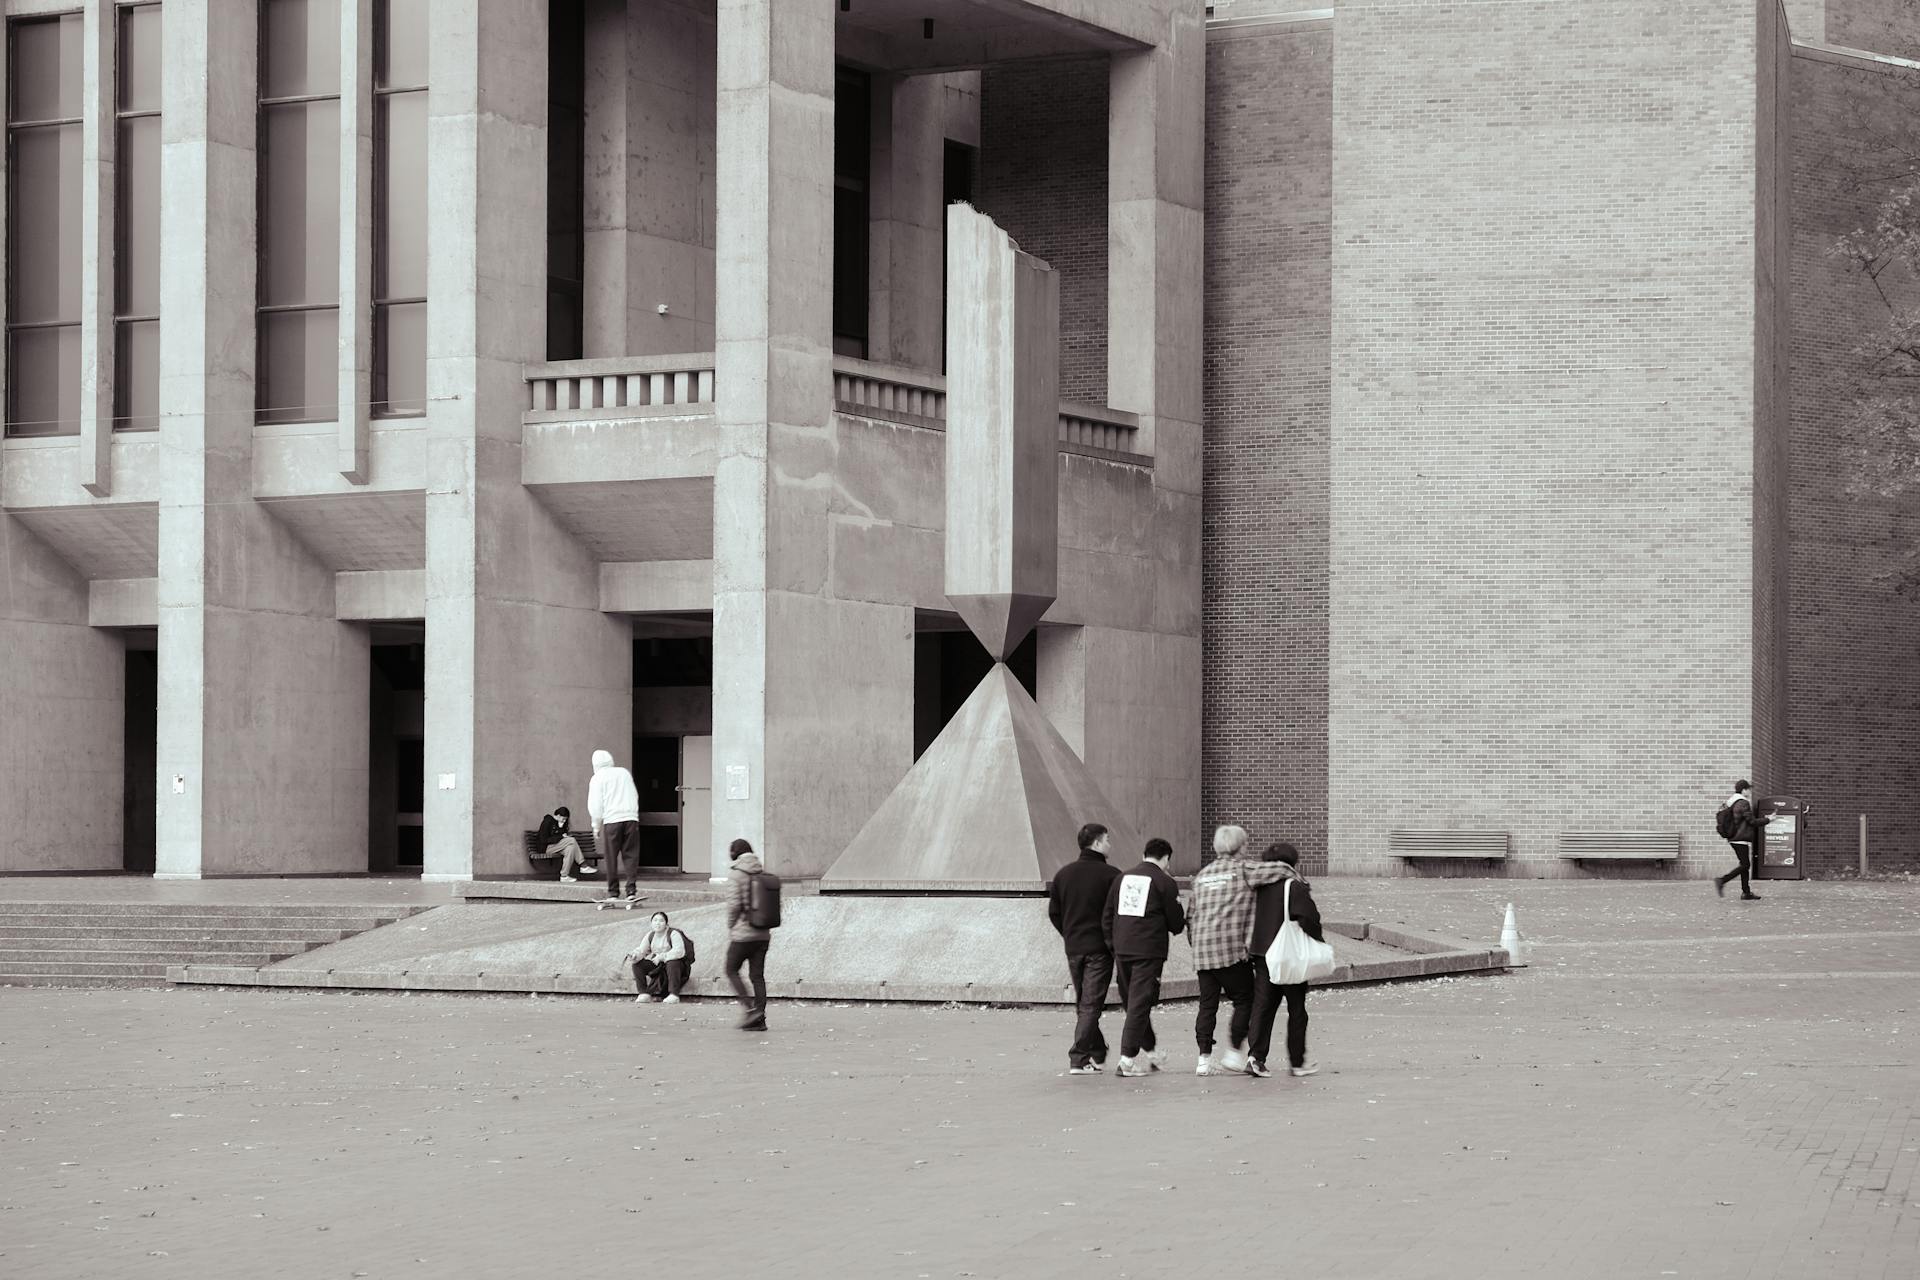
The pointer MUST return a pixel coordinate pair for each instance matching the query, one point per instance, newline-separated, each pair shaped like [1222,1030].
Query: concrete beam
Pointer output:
[380,595]
[656,586]
[123,602]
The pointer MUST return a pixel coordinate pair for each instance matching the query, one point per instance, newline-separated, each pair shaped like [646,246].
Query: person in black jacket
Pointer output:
[1076,901]
[1143,911]
[1744,834]
[1267,995]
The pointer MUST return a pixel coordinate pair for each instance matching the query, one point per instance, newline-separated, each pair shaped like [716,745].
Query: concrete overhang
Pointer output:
[891,35]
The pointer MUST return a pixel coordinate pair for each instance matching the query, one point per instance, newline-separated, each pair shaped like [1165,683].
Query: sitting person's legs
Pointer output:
[649,978]
[676,976]
[570,856]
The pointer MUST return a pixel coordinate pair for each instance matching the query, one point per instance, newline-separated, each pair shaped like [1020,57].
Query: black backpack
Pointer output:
[686,947]
[1726,822]
[763,900]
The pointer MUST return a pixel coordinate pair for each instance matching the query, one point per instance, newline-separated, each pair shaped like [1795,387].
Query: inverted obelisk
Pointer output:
[996,801]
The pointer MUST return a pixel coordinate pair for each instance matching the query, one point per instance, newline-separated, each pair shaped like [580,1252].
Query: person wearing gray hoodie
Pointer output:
[746,942]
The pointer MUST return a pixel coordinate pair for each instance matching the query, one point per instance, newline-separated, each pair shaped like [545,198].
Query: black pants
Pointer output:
[753,954]
[621,851]
[1236,983]
[659,977]
[1091,976]
[1743,850]
[1266,1006]
[1139,979]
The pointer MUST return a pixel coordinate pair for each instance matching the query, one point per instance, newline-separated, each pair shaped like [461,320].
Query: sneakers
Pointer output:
[569,879]
[1085,1069]
[643,998]
[671,1000]
[754,1022]
[1133,1067]
[1204,1067]
[1156,1059]
[1749,897]
[1257,1069]
[1234,1059]
[1305,1069]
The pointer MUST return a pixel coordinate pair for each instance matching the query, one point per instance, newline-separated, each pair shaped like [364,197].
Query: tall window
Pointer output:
[43,226]
[296,378]
[852,168]
[136,281]
[566,180]
[400,208]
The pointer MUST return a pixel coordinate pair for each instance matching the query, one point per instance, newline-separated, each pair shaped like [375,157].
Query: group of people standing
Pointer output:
[1116,928]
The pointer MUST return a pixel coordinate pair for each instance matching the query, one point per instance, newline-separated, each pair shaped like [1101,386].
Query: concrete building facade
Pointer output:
[406,398]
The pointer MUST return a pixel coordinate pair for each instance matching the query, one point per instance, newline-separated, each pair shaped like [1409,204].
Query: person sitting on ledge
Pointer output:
[554,838]
[660,963]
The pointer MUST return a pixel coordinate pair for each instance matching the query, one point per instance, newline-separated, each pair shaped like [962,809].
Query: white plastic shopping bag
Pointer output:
[1294,957]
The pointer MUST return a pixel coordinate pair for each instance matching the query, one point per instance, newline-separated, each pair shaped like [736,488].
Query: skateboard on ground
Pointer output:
[601,904]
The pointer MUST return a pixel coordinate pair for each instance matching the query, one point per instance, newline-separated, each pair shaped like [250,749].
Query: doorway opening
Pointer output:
[396,740]
[673,739]
[139,752]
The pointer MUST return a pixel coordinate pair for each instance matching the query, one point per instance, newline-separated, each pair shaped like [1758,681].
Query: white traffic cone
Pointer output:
[1510,940]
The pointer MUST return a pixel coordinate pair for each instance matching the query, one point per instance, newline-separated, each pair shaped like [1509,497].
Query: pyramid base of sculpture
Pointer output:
[994,806]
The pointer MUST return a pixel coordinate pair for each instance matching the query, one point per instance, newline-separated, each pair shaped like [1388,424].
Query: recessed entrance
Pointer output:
[396,733]
[672,738]
[139,751]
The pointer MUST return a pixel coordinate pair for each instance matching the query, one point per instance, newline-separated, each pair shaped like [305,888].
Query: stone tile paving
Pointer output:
[1721,1113]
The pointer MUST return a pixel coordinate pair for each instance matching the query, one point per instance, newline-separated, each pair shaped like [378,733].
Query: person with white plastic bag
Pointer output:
[1284,912]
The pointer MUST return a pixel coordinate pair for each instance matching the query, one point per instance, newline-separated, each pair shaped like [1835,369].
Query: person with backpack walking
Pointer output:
[1219,920]
[1739,827]
[1076,903]
[753,913]
[661,962]
[1143,911]
[1274,904]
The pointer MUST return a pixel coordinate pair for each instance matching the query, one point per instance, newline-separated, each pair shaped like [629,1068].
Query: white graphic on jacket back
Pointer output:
[1133,895]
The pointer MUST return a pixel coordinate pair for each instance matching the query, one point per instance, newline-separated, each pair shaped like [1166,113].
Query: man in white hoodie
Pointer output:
[613,802]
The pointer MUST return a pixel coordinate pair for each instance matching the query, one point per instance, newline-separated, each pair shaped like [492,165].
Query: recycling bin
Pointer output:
[1783,825]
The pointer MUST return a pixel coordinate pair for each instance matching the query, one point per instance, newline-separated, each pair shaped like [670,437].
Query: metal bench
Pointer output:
[1619,846]
[1488,846]
[547,865]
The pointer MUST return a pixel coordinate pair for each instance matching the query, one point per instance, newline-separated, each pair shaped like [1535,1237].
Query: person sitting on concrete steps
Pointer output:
[660,963]
[553,839]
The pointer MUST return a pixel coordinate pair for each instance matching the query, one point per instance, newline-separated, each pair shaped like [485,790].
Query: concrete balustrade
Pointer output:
[623,386]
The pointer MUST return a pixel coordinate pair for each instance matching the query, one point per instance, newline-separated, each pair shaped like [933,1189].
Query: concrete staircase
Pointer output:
[130,944]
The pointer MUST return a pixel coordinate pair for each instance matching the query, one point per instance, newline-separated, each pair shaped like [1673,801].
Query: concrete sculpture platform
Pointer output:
[988,950]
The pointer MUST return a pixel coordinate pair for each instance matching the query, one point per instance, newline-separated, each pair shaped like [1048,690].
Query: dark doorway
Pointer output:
[948,665]
[396,732]
[139,752]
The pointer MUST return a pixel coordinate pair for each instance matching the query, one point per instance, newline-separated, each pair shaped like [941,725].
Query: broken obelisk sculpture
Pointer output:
[995,803]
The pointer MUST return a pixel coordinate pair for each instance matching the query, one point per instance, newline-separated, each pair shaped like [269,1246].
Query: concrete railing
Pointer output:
[894,394]
[869,390]
[620,387]
[1084,426]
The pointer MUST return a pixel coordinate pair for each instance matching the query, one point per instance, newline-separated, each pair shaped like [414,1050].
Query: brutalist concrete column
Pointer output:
[262,693]
[604,181]
[811,693]
[525,676]
[1155,201]
[906,267]
[355,428]
[99,21]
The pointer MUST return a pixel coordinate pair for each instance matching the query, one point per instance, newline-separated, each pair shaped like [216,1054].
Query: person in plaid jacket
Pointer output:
[1219,922]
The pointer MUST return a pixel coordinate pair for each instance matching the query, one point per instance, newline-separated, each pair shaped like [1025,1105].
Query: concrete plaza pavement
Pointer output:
[1679,1085]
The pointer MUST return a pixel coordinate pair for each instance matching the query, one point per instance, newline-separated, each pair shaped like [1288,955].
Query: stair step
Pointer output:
[278,910]
[12,958]
[109,969]
[77,980]
[109,935]
[292,924]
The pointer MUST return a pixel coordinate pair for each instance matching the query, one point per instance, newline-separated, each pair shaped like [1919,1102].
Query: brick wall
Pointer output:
[1853,656]
[1268,294]
[1543,406]
[1043,179]
[1878,26]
